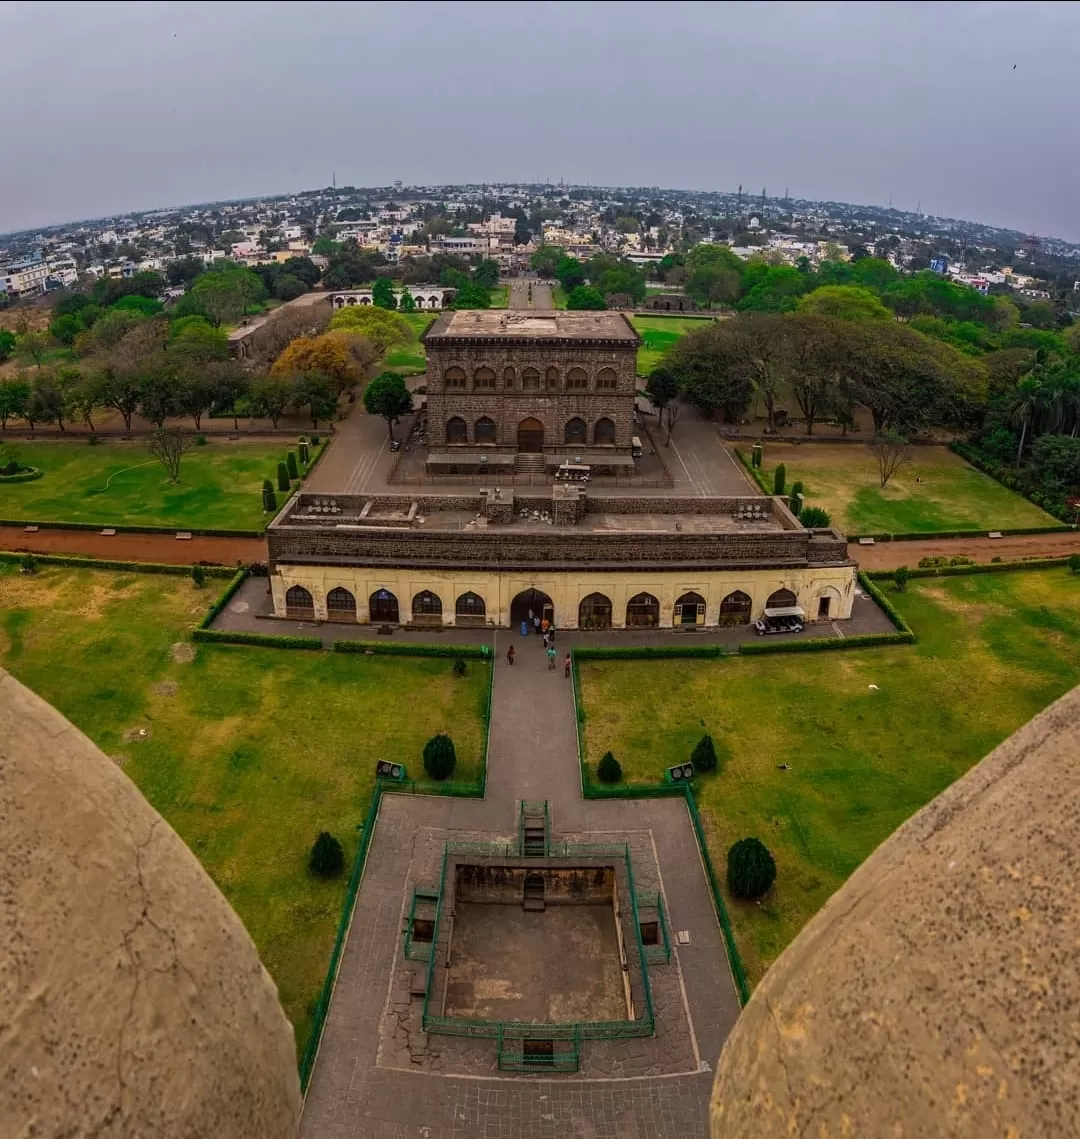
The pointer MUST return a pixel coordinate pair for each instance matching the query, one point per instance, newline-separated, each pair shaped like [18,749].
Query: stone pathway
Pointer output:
[355,1089]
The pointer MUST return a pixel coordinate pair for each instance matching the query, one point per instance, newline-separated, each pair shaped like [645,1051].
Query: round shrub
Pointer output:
[459,667]
[198,576]
[812,516]
[28,564]
[703,757]
[327,857]
[608,770]
[439,757]
[751,870]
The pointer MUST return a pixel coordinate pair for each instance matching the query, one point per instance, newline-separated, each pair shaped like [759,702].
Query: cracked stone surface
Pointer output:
[132,1000]
[936,993]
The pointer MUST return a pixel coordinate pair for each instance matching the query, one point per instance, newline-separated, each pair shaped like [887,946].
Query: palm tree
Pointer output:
[1027,404]
[1064,398]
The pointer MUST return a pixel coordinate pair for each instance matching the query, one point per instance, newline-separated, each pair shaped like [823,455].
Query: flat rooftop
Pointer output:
[531,327]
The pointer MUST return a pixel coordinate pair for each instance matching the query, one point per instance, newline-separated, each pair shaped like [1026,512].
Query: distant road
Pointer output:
[519,294]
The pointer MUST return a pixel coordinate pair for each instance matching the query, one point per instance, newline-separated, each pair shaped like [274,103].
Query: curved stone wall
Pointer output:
[936,993]
[132,1000]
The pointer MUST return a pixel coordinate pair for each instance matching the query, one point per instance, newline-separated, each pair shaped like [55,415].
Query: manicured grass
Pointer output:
[558,296]
[500,296]
[122,483]
[658,334]
[952,495]
[993,650]
[249,752]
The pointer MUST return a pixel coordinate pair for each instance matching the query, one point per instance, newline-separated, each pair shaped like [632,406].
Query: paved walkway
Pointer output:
[520,297]
[356,1089]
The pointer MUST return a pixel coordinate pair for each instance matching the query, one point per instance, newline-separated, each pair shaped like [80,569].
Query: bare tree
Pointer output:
[168,445]
[892,451]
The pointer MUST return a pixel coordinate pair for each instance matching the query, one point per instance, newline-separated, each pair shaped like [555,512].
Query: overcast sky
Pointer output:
[118,106]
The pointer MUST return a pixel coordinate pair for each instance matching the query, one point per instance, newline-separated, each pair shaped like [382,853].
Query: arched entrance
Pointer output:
[594,612]
[642,611]
[689,610]
[531,436]
[340,605]
[427,608]
[531,600]
[299,604]
[383,607]
[469,609]
[781,599]
[735,609]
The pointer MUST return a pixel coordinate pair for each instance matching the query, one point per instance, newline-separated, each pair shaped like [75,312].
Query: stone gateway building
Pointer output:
[527,390]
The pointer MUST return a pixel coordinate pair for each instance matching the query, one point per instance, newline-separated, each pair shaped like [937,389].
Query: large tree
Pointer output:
[387,396]
[14,393]
[270,397]
[384,329]
[713,275]
[707,369]
[845,302]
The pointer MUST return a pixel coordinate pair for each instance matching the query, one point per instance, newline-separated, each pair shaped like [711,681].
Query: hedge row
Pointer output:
[405,649]
[975,567]
[893,613]
[22,476]
[926,535]
[1010,480]
[238,580]
[97,527]
[755,474]
[106,564]
[824,644]
[646,652]
[264,640]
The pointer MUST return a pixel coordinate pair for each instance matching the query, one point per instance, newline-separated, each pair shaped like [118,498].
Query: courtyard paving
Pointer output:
[655,1088]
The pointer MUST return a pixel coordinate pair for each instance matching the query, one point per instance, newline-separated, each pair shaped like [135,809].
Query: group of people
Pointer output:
[542,627]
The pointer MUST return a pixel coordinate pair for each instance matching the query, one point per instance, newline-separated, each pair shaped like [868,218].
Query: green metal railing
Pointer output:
[536,809]
[660,953]
[564,1054]
[419,950]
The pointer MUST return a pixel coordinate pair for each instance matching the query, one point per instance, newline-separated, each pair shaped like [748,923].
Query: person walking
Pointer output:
[510,655]
[551,656]
[544,625]
[547,640]
[536,625]
[566,667]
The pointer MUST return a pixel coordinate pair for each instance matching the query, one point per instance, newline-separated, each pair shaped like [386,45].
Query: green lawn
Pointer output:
[500,296]
[658,334]
[993,650]
[950,493]
[558,296]
[250,752]
[219,488]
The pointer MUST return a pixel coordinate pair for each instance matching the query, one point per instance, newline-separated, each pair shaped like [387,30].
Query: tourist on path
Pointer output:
[546,640]
[510,655]
[544,625]
[536,625]
[566,667]
[551,656]
[524,629]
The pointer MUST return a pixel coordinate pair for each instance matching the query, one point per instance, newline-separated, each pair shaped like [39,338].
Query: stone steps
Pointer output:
[526,463]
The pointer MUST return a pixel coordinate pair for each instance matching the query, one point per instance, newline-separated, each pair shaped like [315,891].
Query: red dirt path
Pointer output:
[889,555]
[136,547]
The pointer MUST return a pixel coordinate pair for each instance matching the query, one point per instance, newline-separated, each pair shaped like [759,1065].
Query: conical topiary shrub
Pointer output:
[439,757]
[283,483]
[327,858]
[779,479]
[290,462]
[750,869]
[703,757]
[608,769]
[269,498]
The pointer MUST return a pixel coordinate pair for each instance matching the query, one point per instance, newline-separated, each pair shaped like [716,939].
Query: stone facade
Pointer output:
[555,384]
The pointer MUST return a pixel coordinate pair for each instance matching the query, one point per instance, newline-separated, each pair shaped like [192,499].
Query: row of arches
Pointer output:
[594,611]
[530,379]
[422,301]
[530,432]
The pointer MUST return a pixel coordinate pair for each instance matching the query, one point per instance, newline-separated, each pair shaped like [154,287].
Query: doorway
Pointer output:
[531,436]
[535,601]
[824,603]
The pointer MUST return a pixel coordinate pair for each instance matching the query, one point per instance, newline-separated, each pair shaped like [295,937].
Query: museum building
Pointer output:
[526,391]
[584,561]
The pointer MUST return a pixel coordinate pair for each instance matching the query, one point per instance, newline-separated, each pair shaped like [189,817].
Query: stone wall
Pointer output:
[505,885]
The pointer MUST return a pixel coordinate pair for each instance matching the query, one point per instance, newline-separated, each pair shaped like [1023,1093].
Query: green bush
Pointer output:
[900,578]
[814,516]
[779,479]
[459,667]
[263,640]
[198,576]
[1074,563]
[283,482]
[290,462]
[28,563]
[751,869]
[269,498]
[405,649]
[703,757]
[327,856]
[608,770]
[314,440]
[200,440]
[440,757]
[302,447]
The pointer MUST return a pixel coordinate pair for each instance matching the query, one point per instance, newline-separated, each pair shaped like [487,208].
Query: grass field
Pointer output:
[249,752]
[658,334]
[992,651]
[122,483]
[500,296]
[952,495]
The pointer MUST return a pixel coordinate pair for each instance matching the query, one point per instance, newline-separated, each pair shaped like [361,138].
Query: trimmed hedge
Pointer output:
[107,564]
[825,644]
[120,528]
[28,475]
[647,652]
[930,535]
[755,474]
[212,614]
[263,640]
[975,567]
[403,649]
[893,613]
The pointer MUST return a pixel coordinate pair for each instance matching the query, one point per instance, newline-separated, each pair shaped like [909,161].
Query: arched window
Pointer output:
[606,380]
[594,612]
[735,609]
[483,380]
[508,378]
[689,610]
[454,379]
[299,604]
[530,380]
[604,432]
[530,436]
[383,607]
[551,379]
[781,599]
[575,431]
[340,605]
[469,609]
[577,380]
[457,430]
[642,611]
[484,431]
[426,604]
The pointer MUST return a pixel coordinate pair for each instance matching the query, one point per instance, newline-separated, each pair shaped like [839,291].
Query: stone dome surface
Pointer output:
[937,993]
[132,1000]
